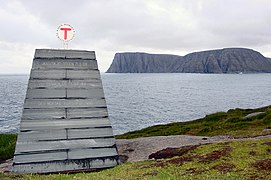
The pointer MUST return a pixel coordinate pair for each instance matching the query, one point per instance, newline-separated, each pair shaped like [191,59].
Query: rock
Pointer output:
[228,60]
[253,115]
[142,63]
[6,166]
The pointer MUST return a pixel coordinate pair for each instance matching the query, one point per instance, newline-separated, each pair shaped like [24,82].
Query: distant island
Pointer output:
[227,60]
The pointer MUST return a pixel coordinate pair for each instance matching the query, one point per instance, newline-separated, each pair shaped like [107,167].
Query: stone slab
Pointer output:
[45,93]
[63,103]
[51,134]
[62,134]
[42,146]
[64,93]
[62,124]
[41,157]
[67,54]
[89,133]
[65,64]
[36,114]
[91,153]
[63,74]
[86,113]
[66,165]
[85,93]
[71,84]
[63,113]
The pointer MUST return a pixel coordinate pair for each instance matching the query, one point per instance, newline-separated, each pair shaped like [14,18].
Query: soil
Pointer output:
[263,165]
[215,155]
[224,168]
[171,152]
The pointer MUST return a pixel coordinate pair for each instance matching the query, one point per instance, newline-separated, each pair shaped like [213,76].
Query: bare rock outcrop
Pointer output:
[228,60]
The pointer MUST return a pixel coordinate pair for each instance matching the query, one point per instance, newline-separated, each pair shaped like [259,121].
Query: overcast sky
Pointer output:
[111,26]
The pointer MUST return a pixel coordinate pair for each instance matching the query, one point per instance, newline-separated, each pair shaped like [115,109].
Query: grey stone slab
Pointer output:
[36,114]
[71,84]
[62,124]
[83,74]
[91,153]
[69,113]
[88,112]
[41,157]
[59,53]
[68,165]
[31,136]
[64,64]
[64,93]
[45,93]
[64,74]
[27,147]
[47,74]
[85,93]
[63,103]
[89,133]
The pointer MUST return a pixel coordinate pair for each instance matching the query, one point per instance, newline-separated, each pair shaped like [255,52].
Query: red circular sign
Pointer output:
[65,32]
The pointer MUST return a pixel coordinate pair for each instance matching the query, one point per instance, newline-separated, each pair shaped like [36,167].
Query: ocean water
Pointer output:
[136,101]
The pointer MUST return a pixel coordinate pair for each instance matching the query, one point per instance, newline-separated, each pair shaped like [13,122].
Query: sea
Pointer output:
[136,101]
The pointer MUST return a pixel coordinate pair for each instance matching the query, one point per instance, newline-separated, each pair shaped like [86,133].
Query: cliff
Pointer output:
[228,60]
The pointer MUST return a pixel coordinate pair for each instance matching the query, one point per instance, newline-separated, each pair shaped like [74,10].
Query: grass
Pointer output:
[7,146]
[248,159]
[230,123]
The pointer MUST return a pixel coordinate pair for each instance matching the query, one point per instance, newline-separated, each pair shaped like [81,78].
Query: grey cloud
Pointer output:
[111,25]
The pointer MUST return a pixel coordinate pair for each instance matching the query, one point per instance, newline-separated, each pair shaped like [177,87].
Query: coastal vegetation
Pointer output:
[250,159]
[235,123]
[232,159]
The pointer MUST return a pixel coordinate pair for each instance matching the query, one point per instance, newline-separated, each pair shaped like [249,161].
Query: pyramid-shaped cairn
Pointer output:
[64,125]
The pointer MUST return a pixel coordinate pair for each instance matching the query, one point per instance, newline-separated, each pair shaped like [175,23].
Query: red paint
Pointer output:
[65,32]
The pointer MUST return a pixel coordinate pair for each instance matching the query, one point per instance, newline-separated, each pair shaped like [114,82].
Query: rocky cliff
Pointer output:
[228,60]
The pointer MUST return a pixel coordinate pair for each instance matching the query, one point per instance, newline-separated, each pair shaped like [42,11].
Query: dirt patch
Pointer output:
[267,143]
[255,177]
[181,160]
[224,168]
[172,152]
[195,171]
[216,154]
[264,164]
[151,174]
[252,153]
[206,158]
[123,159]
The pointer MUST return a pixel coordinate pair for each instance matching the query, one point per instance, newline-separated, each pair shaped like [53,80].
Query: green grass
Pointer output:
[230,123]
[238,163]
[7,146]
